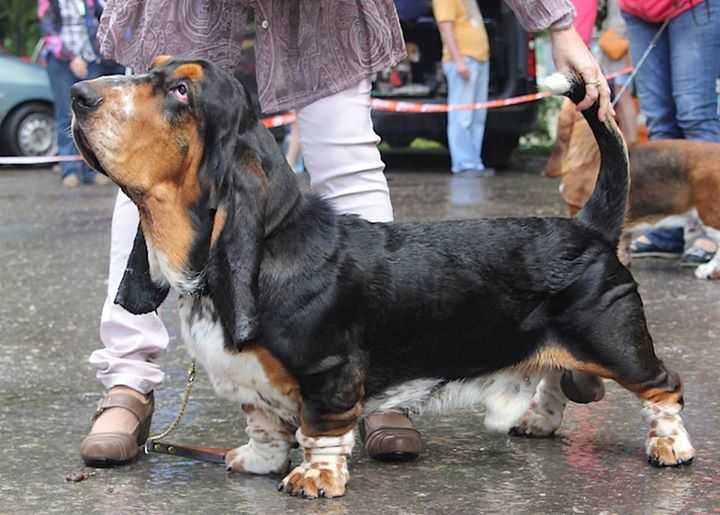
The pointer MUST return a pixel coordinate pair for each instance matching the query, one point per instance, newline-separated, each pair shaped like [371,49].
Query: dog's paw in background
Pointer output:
[709,270]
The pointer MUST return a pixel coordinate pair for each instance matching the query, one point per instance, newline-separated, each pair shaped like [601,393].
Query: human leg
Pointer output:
[462,147]
[694,38]
[481,70]
[125,364]
[339,147]
[61,80]
[652,80]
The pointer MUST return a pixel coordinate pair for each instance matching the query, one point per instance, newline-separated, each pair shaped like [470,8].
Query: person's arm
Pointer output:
[447,31]
[569,51]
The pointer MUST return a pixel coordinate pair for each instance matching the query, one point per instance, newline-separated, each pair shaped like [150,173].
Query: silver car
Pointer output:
[27,124]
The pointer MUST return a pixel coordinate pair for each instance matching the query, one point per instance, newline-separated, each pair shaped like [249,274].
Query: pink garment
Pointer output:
[585,18]
[657,10]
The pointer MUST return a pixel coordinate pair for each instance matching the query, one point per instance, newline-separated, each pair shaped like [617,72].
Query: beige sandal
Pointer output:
[111,449]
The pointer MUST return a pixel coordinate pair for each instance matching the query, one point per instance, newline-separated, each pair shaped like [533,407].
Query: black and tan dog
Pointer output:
[308,318]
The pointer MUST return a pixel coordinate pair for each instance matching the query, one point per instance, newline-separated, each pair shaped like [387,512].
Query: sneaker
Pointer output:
[700,252]
[663,242]
[71,181]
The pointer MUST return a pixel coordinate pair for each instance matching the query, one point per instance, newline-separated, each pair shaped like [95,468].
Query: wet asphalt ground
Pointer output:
[53,259]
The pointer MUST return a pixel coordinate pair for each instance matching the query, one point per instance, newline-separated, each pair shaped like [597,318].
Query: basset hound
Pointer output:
[309,318]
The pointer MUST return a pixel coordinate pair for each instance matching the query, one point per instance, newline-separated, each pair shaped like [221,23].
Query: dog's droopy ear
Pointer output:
[235,263]
[137,292]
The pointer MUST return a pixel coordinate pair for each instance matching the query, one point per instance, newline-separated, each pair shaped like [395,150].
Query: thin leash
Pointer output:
[653,44]
[183,408]
[207,454]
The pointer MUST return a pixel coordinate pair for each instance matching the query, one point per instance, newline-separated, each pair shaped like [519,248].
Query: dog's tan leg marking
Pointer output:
[546,409]
[667,443]
[324,470]
[268,451]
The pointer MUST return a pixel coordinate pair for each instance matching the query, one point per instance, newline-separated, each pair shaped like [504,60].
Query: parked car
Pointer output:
[27,124]
[512,73]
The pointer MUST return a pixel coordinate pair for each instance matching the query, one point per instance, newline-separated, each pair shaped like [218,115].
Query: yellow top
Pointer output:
[471,38]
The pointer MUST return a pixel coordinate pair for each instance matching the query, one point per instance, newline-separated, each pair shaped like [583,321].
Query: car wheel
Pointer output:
[30,131]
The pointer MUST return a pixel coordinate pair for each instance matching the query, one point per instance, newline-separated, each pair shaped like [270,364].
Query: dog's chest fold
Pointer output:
[251,376]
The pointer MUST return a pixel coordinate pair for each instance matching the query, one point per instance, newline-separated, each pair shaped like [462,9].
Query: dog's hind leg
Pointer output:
[268,451]
[613,342]
[545,414]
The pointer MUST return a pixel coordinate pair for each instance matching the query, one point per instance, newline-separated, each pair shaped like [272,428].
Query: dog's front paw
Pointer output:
[313,480]
[710,270]
[249,458]
[669,451]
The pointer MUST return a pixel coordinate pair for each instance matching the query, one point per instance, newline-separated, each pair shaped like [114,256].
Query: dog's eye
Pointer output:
[181,92]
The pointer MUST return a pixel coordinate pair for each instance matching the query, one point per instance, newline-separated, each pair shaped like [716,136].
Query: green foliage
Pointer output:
[19,27]
[545,131]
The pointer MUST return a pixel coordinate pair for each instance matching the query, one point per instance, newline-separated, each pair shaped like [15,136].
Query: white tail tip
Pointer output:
[557,83]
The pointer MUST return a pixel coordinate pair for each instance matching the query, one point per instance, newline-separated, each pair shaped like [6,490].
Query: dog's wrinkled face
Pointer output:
[144,132]
[149,133]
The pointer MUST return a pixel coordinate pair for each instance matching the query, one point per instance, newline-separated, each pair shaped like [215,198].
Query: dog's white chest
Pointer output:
[238,376]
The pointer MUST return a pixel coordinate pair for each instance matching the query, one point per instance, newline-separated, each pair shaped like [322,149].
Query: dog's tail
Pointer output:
[605,209]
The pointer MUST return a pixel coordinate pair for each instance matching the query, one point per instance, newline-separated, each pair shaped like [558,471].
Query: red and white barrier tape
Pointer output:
[377,104]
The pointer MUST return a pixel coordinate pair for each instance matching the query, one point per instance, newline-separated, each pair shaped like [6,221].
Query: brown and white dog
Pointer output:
[667,177]
[308,318]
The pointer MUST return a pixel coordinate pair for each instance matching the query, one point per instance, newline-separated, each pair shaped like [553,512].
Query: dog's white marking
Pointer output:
[163,273]
[668,442]
[268,451]
[505,395]
[127,101]
[557,83]
[546,410]
[323,471]
[238,376]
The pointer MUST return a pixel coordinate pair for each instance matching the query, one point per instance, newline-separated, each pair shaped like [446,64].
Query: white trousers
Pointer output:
[340,150]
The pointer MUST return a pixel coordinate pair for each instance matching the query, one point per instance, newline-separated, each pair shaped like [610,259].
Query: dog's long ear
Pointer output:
[250,190]
[137,292]
[234,191]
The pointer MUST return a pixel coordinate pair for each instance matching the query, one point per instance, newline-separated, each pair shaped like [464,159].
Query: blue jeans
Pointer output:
[676,84]
[466,129]
[61,80]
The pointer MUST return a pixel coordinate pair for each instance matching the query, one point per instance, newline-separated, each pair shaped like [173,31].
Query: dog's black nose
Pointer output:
[84,96]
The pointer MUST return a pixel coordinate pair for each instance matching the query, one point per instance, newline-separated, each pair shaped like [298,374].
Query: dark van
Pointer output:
[512,73]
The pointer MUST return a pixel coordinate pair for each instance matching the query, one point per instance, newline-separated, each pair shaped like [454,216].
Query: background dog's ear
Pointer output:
[137,292]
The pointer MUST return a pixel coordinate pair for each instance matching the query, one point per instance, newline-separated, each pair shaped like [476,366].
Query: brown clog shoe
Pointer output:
[112,449]
[390,437]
